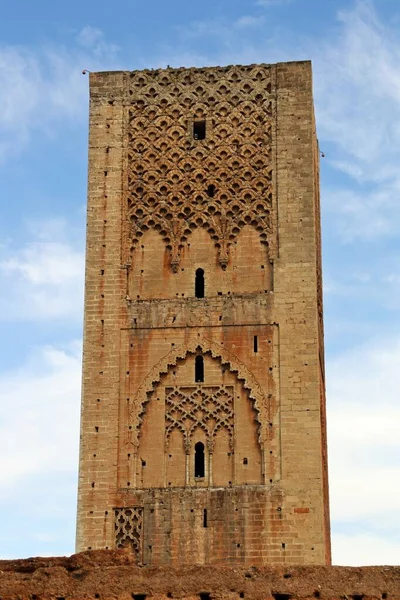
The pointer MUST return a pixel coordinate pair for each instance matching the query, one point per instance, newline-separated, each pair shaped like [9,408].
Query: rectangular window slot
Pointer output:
[255,343]
[199,130]
[205,518]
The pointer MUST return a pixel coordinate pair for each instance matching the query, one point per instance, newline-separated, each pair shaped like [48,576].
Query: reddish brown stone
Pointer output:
[241,206]
[107,575]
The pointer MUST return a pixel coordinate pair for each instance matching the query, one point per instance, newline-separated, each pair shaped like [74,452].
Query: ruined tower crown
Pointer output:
[203,435]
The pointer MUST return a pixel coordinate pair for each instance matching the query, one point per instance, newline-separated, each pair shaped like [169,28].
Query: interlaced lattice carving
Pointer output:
[190,407]
[128,527]
[170,173]
[257,393]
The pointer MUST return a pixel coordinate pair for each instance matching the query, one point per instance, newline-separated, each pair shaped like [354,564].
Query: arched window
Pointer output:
[199,284]
[199,369]
[199,469]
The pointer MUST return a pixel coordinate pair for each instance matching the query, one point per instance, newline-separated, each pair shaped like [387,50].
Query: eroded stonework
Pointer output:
[175,183]
[203,412]
[105,574]
[128,528]
[206,407]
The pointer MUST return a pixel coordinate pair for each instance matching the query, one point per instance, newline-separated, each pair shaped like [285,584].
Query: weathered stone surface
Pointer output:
[114,575]
[228,467]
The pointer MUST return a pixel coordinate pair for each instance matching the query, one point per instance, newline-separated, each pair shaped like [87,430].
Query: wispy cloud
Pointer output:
[357,90]
[39,416]
[43,278]
[89,36]
[39,437]
[94,39]
[269,3]
[364,450]
[41,87]
[248,21]
[363,549]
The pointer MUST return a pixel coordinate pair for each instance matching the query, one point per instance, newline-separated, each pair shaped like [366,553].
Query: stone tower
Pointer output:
[203,435]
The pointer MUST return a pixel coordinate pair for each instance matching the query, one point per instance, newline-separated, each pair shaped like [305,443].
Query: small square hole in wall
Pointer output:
[199,130]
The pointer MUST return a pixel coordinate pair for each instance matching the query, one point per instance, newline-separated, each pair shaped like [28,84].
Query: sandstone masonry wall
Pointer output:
[203,410]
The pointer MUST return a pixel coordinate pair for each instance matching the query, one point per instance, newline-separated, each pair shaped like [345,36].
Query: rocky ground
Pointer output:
[107,575]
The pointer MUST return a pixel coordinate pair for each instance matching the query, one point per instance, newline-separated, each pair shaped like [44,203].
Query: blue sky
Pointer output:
[44,45]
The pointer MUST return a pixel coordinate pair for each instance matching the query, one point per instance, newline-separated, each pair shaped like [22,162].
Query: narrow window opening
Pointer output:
[205,518]
[211,191]
[199,283]
[255,344]
[199,130]
[199,369]
[245,461]
[199,460]
[205,595]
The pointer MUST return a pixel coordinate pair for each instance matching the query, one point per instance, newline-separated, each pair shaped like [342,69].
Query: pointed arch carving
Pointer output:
[176,183]
[256,393]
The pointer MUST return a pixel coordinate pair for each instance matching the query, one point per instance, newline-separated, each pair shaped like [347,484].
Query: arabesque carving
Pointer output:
[207,407]
[222,183]
[128,522]
[193,345]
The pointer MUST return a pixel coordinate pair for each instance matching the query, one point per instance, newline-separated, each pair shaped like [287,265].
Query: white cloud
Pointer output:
[363,549]
[268,3]
[39,417]
[43,279]
[364,451]
[367,214]
[248,21]
[357,92]
[40,87]
[89,36]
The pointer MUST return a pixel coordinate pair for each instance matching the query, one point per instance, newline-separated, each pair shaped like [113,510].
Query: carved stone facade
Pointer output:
[203,411]
[177,183]
[128,529]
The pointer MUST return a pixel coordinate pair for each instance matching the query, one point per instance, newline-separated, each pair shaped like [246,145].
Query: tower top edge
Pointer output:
[218,68]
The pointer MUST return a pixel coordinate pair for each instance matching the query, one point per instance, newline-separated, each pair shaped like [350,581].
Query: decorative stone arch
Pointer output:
[222,229]
[256,394]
